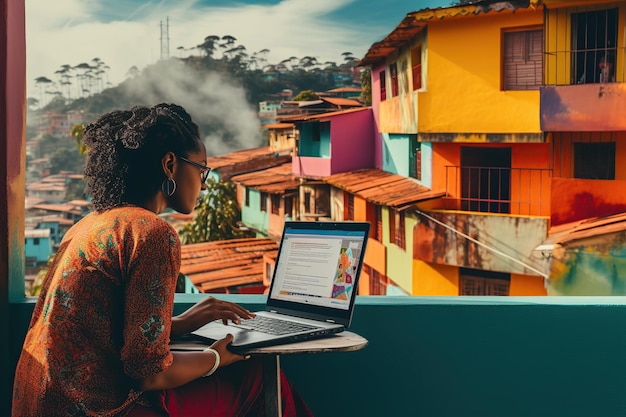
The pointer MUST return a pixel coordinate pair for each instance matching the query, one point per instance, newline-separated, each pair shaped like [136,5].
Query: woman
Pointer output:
[98,340]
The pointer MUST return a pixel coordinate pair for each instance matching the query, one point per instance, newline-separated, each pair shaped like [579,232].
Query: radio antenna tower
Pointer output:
[165,39]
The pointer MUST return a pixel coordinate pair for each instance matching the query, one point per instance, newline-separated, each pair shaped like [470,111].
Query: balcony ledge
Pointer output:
[458,356]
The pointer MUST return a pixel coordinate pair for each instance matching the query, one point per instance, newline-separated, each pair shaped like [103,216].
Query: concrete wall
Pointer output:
[457,356]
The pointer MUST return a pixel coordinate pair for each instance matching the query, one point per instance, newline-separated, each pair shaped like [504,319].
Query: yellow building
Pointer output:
[459,88]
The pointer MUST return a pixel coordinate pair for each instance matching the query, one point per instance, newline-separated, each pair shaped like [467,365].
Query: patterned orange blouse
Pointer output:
[103,318]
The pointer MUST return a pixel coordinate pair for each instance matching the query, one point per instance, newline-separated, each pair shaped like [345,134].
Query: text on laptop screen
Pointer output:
[318,267]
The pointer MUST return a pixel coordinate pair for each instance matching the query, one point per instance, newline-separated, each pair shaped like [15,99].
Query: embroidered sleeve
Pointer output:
[150,283]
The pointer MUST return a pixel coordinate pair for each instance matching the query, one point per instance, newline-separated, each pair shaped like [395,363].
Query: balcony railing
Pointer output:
[583,44]
[585,66]
[521,191]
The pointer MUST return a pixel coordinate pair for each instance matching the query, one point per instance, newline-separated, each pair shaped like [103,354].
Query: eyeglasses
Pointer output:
[204,170]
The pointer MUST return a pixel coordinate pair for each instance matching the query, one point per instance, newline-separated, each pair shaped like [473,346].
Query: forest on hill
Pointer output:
[218,82]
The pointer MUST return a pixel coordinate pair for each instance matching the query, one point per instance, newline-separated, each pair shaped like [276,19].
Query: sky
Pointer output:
[126,33]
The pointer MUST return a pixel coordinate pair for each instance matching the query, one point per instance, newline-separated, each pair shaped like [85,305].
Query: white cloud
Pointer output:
[70,32]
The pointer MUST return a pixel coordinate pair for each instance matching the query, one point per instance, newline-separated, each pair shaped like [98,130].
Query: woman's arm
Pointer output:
[188,366]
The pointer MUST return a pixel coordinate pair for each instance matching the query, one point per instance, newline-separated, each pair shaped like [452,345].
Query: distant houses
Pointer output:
[49,214]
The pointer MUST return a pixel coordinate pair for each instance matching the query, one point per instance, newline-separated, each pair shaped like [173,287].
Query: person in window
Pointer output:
[607,69]
[604,74]
[98,340]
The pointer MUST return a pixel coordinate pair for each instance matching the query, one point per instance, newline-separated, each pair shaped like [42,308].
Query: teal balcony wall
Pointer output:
[458,356]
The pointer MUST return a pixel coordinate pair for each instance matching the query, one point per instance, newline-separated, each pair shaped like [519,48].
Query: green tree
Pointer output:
[306,95]
[366,86]
[216,216]
[66,158]
[77,131]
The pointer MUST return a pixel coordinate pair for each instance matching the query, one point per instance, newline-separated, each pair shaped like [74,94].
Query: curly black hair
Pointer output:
[125,149]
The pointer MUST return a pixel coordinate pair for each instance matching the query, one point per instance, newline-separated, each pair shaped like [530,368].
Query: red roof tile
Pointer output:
[342,102]
[275,180]
[597,226]
[226,263]
[345,90]
[304,117]
[247,160]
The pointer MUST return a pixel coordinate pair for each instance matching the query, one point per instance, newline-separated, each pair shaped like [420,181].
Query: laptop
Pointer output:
[313,287]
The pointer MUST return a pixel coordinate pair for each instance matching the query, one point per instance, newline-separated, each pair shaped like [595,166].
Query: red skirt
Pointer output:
[233,391]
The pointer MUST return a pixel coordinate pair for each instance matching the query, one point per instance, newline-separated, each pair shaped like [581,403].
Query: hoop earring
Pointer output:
[168,186]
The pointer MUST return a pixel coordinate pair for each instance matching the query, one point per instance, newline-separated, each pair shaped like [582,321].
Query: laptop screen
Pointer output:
[318,266]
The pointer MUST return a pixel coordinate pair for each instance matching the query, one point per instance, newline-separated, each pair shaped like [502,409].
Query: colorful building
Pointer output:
[501,106]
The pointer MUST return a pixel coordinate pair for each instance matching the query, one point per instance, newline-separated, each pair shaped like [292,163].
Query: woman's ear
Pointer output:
[168,163]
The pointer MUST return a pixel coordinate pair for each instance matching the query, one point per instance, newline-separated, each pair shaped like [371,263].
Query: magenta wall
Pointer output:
[311,166]
[352,141]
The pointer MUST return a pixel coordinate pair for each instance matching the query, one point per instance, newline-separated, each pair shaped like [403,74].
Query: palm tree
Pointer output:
[40,82]
[133,72]
[208,46]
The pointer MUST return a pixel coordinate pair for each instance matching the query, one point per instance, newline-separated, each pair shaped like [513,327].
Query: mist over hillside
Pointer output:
[221,93]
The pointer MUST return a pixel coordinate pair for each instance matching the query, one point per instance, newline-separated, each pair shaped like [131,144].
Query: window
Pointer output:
[594,160]
[594,37]
[418,162]
[378,224]
[396,228]
[275,204]
[486,179]
[247,197]
[374,218]
[288,206]
[415,158]
[36,241]
[264,202]
[393,71]
[416,67]
[523,60]
[315,132]
[378,282]
[383,87]
[479,282]
[349,213]
[404,76]
[400,235]
[307,202]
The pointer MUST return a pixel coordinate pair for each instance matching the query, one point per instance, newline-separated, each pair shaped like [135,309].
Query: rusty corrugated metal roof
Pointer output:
[226,263]
[344,90]
[342,102]
[384,188]
[583,229]
[275,180]
[304,117]
[415,22]
[247,160]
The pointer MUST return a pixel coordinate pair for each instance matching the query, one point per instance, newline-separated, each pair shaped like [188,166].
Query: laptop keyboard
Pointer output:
[272,326]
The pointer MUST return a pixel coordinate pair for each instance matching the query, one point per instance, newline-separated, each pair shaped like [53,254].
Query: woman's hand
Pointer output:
[206,311]
[226,356]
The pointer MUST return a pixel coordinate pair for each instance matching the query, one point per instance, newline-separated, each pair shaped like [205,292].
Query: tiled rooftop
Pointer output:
[226,263]
[383,188]
[276,180]
[245,161]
